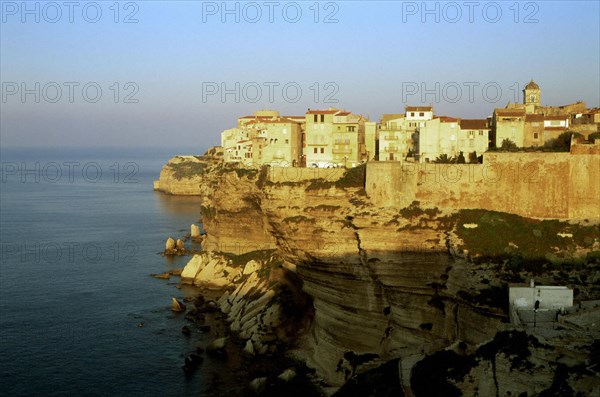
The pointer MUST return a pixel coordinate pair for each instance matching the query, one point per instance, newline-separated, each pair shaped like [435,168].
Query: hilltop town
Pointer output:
[461,243]
[338,138]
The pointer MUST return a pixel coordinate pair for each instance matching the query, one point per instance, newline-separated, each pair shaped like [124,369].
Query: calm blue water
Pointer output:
[77,249]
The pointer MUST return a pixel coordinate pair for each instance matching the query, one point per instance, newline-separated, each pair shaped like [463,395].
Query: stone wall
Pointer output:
[296,174]
[538,185]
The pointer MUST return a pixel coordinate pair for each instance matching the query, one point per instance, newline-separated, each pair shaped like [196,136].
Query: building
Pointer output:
[237,146]
[264,138]
[509,124]
[438,136]
[394,139]
[531,124]
[334,138]
[473,136]
[537,305]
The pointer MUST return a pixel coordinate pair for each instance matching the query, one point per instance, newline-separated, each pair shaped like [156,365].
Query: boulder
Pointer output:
[248,349]
[177,306]
[216,345]
[251,267]
[180,245]
[193,267]
[170,245]
[287,375]
[194,231]
[258,385]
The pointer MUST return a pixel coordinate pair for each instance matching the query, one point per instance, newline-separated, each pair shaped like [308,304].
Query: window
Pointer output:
[412,114]
[322,150]
[316,118]
[287,141]
[350,128]
[421,114]
[535,135]
[480,133]
[391,156]
[322,118]
[315,150]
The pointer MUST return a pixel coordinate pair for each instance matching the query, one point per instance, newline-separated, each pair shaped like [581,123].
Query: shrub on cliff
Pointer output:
[353,177]
[562,143]
[508,146]
[187,169]
[592,137]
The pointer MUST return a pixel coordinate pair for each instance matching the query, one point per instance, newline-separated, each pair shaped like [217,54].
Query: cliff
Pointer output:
[387,282]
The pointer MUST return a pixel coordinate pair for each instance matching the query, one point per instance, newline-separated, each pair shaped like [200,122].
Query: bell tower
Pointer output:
[531,97]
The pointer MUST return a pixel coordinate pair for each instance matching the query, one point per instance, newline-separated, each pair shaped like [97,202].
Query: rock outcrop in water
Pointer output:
[385,283]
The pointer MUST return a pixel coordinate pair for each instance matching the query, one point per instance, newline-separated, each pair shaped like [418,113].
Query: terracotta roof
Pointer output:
[510,112]
[391,116]
[534,118]
[343,113]
[555,128]
[446,119]
[532,86]
[473,124]
[256,117]
[559,117]
[322,111]
[419,108]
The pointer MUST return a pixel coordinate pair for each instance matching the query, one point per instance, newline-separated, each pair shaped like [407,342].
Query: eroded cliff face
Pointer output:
[382,282]
[385,282]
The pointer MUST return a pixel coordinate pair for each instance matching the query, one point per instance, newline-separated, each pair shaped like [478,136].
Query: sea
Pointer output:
[81,230]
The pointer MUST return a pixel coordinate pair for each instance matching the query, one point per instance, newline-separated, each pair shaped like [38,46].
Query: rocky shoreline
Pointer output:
[253,308]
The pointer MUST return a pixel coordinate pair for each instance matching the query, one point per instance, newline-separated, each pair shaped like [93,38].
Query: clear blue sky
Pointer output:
[372,55]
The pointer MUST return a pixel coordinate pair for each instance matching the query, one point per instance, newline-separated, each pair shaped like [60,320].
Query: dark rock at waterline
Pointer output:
[383,381]
[177,306]
[186,330]
[191,364]
[205,328]
[217,346]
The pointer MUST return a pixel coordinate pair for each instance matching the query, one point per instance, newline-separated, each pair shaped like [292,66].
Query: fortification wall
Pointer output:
[538,185]
[297,174]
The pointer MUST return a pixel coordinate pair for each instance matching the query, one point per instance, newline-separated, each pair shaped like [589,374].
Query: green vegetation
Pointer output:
[414,211]
[519,240]
[298,219]
[444,159]
[187,169]
[320,183]
[593,136]
[323,207]
[262,176]
[508,146]
[353,177]
[562,143]
[246,172]
[207,211]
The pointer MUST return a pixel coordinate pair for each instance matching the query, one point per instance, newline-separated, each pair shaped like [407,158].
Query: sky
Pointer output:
[176,73]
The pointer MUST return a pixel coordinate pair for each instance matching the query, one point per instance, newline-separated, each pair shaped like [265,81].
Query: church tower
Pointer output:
[531,97]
